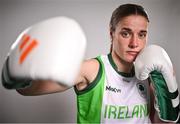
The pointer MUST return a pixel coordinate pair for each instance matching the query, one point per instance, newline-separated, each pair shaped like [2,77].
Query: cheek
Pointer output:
[120,47]
[119,43]
[123,44]
[143,44]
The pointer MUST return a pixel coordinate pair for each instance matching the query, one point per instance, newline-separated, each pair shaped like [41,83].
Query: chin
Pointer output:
[130,60]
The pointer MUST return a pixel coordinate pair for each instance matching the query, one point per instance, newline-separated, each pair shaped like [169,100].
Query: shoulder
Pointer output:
[90,65]
[90,69]
[88,73]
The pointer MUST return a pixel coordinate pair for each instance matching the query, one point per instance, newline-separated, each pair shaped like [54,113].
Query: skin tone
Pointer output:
[128,39]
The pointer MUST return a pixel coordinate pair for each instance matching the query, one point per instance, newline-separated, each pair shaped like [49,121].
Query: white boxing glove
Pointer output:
[50,50]
[154,62]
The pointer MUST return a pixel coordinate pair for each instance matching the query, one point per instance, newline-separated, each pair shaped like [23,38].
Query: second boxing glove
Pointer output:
[154,62]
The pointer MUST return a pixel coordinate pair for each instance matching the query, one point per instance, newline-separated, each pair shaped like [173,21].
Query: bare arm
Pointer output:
[41,87]
[87,74]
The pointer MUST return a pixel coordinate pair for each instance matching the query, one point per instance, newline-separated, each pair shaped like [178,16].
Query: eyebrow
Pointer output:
[129,30]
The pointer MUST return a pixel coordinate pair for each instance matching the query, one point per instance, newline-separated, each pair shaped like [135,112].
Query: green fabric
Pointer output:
[164,97]
[89,101]
[11,83]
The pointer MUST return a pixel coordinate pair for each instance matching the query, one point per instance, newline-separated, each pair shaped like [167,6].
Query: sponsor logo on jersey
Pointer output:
[113,89]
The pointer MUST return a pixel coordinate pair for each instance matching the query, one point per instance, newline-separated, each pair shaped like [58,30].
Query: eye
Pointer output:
[125,34]
[142,35]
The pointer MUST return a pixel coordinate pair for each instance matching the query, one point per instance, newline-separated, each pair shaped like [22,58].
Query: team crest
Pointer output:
[142,89]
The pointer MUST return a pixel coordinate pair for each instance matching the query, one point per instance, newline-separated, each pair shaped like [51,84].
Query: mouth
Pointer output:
[133,53]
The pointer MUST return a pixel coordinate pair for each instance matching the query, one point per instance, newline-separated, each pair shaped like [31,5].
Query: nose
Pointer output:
[133,42]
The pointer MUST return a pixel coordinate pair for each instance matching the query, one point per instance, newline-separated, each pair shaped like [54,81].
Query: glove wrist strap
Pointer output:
[10,82]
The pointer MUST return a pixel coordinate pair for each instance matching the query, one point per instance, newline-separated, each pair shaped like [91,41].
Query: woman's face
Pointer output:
[129,37]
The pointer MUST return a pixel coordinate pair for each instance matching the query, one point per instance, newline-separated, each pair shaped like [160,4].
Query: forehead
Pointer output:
[133,22]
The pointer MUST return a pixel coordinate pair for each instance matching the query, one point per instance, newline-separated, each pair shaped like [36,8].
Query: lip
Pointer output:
[133,53]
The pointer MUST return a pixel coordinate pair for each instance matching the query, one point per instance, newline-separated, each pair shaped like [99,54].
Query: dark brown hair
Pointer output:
[123,11]
[126,10]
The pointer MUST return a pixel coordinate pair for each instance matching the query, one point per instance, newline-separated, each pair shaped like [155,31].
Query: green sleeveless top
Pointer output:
[90,99]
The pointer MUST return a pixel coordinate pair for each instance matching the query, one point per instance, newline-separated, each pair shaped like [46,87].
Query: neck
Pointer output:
[122,66]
